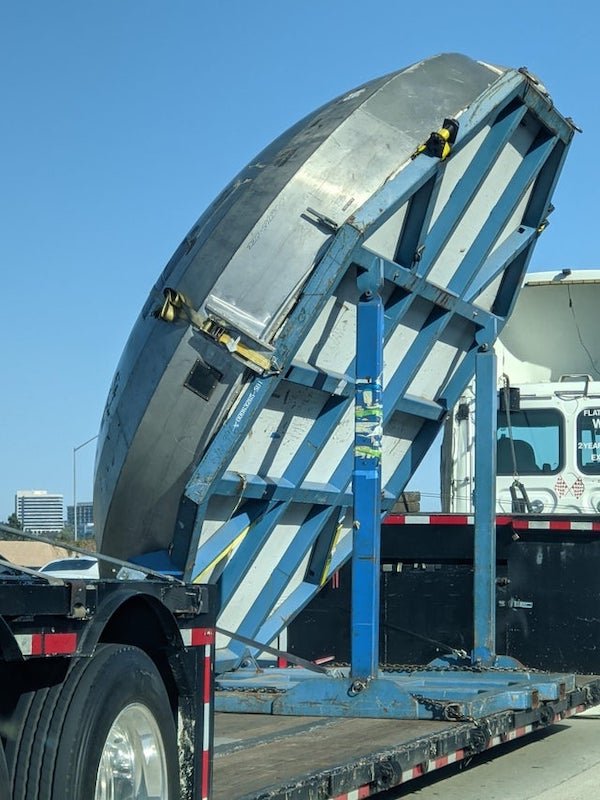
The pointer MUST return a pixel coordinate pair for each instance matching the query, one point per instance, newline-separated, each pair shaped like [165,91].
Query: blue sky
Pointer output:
[122,119]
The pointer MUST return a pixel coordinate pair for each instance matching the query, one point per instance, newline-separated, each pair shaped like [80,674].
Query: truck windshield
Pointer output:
[537,438]
[588,441]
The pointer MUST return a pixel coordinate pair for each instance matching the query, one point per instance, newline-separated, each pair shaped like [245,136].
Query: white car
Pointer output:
[81,568]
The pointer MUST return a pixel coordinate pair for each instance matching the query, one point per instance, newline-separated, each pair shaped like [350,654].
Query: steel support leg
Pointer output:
[484,588]
[366,479]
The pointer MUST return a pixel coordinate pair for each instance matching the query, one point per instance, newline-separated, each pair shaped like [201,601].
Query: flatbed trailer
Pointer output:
[260,757]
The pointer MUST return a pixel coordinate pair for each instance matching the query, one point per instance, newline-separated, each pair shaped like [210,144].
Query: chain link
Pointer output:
[249,689]
[447,708]
[410,668]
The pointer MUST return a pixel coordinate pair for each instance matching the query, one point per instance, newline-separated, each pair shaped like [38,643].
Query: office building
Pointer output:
[85,519]
[40,511]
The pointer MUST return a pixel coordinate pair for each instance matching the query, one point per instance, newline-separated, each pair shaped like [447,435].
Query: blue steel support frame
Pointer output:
[366,479]
[264,500]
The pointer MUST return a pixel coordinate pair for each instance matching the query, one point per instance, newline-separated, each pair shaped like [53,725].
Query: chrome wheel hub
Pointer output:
[133,764]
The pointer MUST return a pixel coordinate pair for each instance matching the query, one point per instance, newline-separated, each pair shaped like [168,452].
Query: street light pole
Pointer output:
[75,449]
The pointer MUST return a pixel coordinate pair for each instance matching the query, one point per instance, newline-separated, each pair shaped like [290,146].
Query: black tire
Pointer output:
[63,730]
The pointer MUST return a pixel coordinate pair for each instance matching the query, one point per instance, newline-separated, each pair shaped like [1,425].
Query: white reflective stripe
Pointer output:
[25,643]
[206,731]
[186,637]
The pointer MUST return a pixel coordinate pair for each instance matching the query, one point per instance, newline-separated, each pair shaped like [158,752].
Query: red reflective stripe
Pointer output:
[202,636]
[560,525]
[428,519]
[206,680]
[448,519]
[204,786]
[502,519]
[56,644]
[37,644]
[363,792]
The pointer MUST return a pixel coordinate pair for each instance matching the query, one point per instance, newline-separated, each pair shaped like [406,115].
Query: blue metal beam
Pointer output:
[279,577]
[484,584]
[248,550]
[300,596]
[398,189]
[218,544]
[502,129]
[280,489]
[328,382]
[366,479]
[528,170]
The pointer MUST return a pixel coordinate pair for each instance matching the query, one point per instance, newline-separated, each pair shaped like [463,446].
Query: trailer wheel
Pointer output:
[106,733]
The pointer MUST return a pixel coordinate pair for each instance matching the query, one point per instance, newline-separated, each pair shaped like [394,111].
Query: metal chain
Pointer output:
[410,668]
[447,708]
[249,689]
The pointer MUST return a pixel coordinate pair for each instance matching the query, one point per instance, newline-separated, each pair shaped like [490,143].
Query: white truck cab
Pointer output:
[548,437]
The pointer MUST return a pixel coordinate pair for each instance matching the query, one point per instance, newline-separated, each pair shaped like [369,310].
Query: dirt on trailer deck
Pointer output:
[255,753]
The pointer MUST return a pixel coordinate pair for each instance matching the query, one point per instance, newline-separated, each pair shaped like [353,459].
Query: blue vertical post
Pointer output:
[366,478]
[484,584]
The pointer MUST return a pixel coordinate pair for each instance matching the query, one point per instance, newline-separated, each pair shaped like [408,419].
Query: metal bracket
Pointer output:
[322,220]
[78,600]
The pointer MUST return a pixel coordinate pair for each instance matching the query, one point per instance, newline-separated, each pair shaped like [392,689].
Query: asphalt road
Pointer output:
[560,763]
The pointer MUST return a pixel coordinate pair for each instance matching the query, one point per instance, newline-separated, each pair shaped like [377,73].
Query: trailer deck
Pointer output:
[262,757]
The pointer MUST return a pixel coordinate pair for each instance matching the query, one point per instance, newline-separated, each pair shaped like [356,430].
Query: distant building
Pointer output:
[85,518]
[40,512]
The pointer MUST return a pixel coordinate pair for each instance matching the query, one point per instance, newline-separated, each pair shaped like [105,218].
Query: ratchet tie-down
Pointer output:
[439,144]
[176,306]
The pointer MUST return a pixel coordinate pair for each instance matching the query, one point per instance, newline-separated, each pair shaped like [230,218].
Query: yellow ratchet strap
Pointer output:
[325,574]
[439,144]
[235,345]
[176,306]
